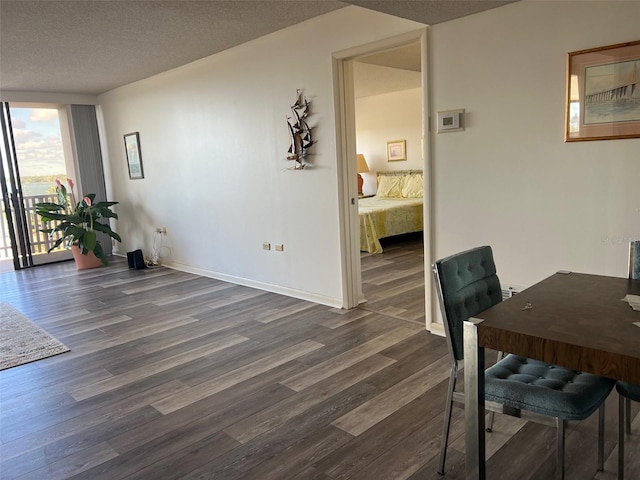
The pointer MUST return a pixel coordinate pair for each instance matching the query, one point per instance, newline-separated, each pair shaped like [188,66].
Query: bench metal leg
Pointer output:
[622,413]
[560,427]
[601,438]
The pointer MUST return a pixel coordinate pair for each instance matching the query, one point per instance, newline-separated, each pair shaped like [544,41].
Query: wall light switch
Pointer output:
[279,247]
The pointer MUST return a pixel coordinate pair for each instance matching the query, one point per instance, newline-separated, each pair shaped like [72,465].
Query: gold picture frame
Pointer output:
[396,150]
[603,93]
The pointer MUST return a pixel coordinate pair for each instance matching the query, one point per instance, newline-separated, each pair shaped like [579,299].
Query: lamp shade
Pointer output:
[362,164]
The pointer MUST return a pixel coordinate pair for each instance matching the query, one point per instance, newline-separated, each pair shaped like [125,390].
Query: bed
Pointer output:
[395,209]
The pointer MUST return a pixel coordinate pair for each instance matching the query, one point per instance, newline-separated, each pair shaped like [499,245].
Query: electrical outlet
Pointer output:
[158,230]
[266,246]
[279,247]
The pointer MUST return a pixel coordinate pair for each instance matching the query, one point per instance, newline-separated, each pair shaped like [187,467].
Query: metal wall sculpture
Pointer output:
[300,132]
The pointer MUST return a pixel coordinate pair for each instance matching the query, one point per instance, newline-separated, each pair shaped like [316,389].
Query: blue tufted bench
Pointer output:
[539,387]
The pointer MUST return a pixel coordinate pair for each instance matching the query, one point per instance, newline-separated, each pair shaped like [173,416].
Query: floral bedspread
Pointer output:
[384,217]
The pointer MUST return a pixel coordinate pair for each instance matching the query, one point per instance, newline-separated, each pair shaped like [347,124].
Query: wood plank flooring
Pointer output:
[393,282]
[175,376]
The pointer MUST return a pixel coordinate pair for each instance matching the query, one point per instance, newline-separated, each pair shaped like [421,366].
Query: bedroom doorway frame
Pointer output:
[344,100]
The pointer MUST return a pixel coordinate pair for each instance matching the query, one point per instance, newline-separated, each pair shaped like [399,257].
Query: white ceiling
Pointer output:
[92,46]
[389,71]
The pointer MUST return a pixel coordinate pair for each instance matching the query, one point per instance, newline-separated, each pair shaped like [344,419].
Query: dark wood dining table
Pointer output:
[574,320]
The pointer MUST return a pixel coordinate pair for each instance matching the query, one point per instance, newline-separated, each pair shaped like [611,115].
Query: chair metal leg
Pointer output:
[622,413]
[627,415]
[489,428]
[447,419]
[601,438]
[560,427]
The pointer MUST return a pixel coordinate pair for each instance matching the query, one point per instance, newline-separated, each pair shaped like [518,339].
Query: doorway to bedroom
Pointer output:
[381,102]
[387,88]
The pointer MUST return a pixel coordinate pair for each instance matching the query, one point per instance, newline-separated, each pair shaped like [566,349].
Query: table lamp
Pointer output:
[362,168]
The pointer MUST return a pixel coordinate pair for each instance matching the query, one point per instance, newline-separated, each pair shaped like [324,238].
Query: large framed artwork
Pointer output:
[134,156]
[603,93]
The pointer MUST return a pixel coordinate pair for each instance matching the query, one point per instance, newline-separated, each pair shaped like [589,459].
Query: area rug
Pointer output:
[22,341]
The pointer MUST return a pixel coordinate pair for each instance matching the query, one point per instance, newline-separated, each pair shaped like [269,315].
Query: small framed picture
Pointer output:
[396,150]
[603,93]
[134,156]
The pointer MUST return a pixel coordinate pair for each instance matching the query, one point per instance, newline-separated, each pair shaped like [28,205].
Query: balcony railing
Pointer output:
[40,242]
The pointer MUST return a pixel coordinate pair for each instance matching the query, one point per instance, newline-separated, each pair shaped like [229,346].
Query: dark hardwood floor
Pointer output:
[393,282]
[175,376]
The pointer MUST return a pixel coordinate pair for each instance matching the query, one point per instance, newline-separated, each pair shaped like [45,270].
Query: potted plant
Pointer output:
[78,225]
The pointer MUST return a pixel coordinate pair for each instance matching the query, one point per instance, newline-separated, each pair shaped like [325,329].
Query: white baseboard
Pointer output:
[290,292]
[438,329]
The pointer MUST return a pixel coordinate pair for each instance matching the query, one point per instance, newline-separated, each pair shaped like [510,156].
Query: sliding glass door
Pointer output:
[33,158]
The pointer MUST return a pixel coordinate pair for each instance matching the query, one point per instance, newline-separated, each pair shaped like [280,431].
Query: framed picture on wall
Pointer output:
[603,93]
[396,150]
[134,156]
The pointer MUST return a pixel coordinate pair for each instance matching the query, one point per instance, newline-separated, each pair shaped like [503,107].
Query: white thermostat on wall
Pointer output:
[451,121]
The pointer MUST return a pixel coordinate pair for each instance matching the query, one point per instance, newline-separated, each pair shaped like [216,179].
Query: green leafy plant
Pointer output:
[79,222]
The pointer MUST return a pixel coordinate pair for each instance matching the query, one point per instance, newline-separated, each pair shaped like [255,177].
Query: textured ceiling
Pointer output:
[388,71]
[407,57]
[430,12]
[92,46]
[370,80]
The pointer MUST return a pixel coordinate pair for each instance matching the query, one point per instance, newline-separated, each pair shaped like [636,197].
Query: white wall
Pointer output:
[388,117]
[214,138]
[510,180]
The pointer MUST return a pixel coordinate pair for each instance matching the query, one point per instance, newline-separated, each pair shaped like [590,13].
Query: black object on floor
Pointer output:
[136,259]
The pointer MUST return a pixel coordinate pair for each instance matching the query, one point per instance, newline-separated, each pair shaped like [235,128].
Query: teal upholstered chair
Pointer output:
[626,393]
[467,284]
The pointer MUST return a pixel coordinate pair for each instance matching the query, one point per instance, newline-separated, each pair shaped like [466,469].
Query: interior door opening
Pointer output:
[388,108]
[351,143]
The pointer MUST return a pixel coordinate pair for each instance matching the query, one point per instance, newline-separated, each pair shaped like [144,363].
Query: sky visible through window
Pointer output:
[36,133]
[38,142]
